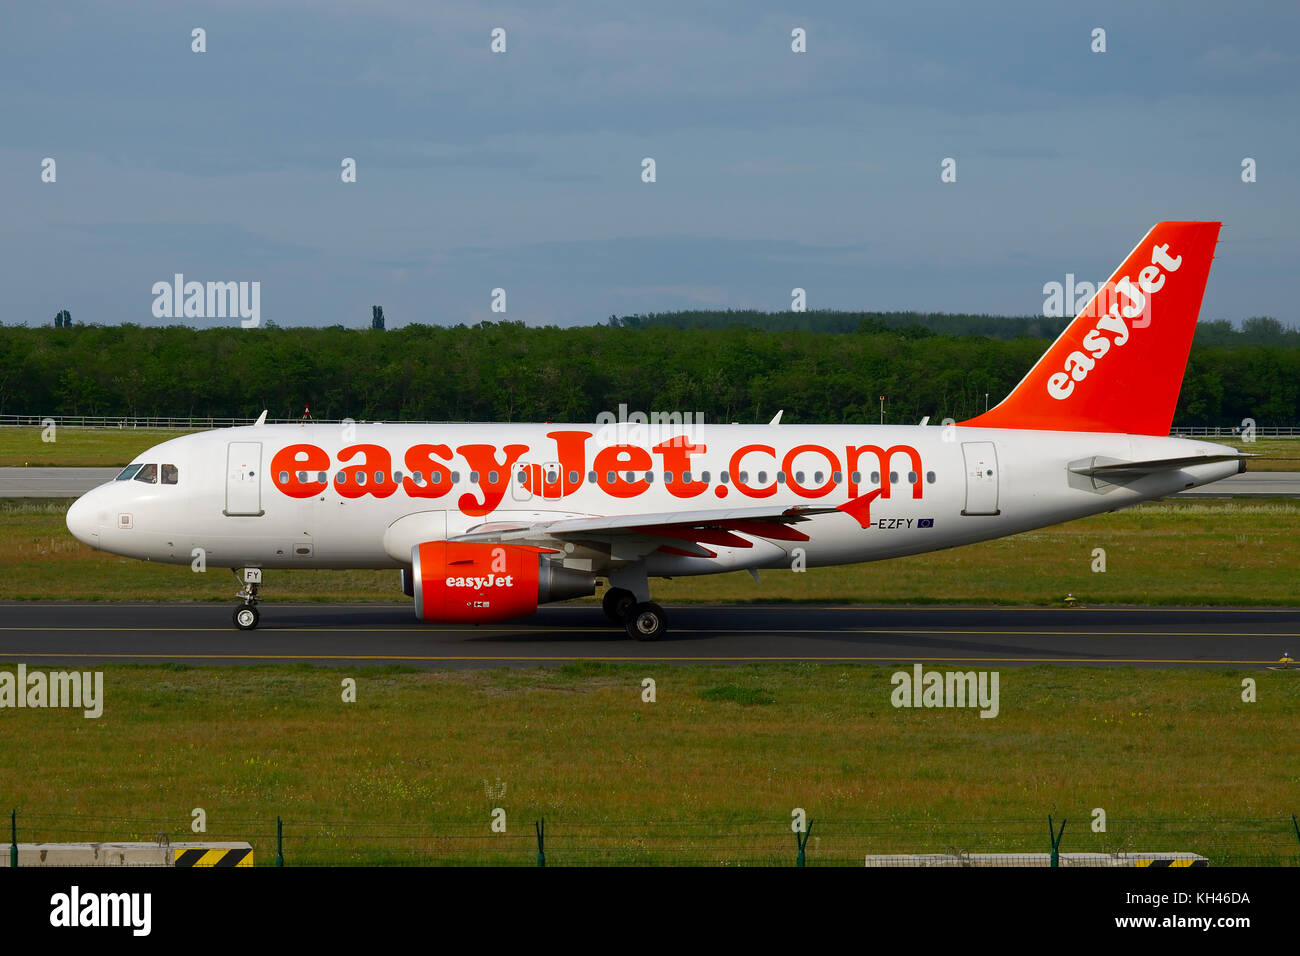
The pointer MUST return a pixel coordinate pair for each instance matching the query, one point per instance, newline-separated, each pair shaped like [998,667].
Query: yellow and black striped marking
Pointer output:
[215,857]
[1172,863]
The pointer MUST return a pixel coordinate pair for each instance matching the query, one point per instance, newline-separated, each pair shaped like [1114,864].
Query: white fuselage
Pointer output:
[233,503]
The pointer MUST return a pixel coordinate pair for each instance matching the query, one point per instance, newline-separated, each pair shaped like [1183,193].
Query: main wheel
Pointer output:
[245,617]
[646,622]
[618,603]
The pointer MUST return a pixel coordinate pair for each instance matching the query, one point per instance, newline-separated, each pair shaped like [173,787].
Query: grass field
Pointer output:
[1176,552]
[78,447]
[105,447]
[708,773]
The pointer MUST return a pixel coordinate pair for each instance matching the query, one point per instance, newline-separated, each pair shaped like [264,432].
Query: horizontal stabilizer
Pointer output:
[1114,470]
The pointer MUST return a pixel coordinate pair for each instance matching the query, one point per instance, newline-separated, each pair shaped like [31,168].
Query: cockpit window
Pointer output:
[169,474]
[148,474]
[127,473]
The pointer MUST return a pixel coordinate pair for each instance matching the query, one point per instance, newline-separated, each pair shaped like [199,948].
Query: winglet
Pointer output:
[261,419]
[776,419]
[859,508]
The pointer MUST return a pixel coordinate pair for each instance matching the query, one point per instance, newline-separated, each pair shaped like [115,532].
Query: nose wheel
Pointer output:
[246,617]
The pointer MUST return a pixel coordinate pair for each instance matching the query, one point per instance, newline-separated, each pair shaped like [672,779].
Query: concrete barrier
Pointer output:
[132,854]
[1037,859]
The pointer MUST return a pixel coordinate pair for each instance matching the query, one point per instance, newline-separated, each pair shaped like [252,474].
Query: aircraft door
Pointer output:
[244,478]
[981,478]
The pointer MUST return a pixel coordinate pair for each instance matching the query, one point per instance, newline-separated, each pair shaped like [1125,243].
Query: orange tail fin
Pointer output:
[1118,367]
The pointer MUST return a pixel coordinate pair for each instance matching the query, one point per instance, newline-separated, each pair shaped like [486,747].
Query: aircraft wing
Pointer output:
[629,537]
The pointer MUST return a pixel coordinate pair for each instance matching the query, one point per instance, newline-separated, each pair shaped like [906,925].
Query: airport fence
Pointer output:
[193,422]
[828,841]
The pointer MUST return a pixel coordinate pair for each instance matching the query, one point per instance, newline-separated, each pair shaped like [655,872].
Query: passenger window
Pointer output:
[573,477]
[148,474]
[169,474]
[284,477]
[704,477]
[379,477]
[493,477]
[929,477]
[473,477]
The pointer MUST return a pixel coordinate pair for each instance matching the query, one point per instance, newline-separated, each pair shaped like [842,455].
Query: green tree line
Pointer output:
[1258,330]
[507,371]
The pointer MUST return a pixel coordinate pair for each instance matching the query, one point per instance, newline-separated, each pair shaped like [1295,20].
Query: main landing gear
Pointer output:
[246,616]
[643,620]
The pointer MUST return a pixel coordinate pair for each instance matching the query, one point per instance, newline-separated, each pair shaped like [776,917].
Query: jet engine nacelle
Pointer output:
[471,582]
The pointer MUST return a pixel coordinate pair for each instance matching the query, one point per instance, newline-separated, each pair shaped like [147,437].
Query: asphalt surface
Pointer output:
[72,482]
[1280,484]
[52,482]
[53,635]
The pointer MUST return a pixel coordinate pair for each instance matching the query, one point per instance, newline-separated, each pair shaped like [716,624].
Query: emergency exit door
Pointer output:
[243,478]
[981,459]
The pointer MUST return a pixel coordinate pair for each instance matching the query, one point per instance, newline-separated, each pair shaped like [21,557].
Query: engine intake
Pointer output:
[472,582]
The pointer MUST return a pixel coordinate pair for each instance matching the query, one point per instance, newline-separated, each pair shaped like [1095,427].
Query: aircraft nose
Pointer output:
[82,521]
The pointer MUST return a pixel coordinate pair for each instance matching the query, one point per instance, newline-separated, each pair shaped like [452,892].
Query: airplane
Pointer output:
[487,521]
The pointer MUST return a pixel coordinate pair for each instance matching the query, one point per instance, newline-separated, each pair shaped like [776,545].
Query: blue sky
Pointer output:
[522,170]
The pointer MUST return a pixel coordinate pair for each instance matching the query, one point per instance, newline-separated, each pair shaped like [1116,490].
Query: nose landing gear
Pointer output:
[245,617]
